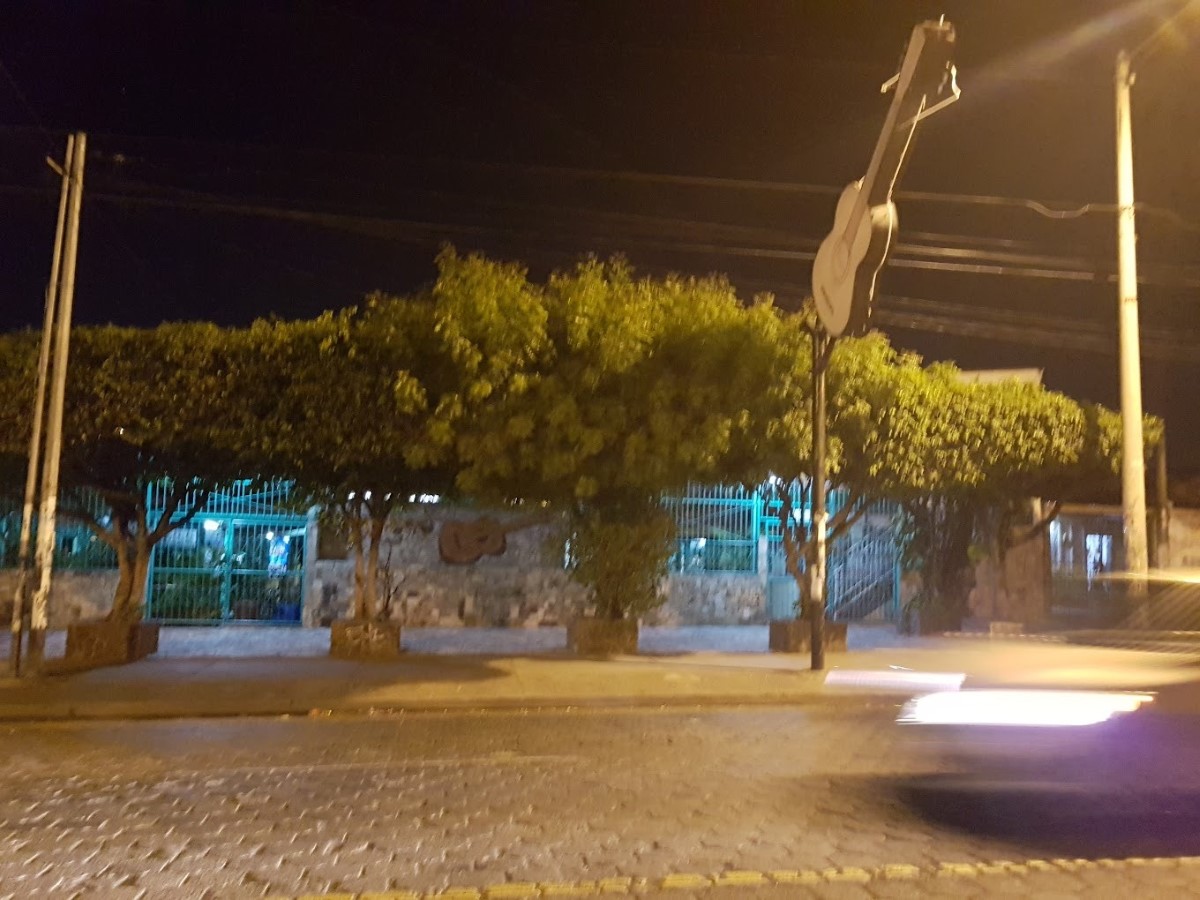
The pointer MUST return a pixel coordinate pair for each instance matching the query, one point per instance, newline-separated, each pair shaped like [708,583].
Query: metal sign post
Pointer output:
[850,257]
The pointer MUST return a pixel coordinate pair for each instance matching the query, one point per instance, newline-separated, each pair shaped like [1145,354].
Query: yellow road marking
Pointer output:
[750,878]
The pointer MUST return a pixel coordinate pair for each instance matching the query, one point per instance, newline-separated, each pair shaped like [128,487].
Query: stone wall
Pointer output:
[1019,591]
[1183,551]
[525,586]
[1020,594]
[712,600]
[74,596]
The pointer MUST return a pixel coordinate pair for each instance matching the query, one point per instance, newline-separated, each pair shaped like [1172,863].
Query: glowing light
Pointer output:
[1020,707]
[900,680]
[270,535]
[211,525]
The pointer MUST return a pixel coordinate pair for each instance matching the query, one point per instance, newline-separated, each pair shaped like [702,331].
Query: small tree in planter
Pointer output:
[145,409]
[620,552]
[644,385]
[374,398]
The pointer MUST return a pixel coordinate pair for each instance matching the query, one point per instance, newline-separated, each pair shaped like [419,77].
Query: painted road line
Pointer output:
[743,878]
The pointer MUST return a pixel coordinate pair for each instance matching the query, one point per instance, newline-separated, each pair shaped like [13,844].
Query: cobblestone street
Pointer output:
[425,802]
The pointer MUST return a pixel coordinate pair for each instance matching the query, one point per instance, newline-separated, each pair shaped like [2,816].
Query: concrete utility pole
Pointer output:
[39,408]
[1133,467]
[44,555]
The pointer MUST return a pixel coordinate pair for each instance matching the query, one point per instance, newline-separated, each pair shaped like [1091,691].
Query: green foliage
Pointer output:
[644,385]
[621,553]
[162,406]
[640,386]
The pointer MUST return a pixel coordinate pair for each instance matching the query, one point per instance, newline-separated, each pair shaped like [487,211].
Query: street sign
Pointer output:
[850,257]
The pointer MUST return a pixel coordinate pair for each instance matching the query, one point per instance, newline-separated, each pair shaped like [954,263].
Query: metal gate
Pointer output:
[241,559]
[862,569]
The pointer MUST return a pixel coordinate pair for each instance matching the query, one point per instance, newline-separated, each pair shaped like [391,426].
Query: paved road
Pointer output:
[426,802]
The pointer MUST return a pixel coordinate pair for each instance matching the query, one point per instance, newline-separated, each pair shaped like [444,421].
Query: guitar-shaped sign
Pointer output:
[850,257]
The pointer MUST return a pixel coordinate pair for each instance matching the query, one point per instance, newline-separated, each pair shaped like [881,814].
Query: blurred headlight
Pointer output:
[1018,707]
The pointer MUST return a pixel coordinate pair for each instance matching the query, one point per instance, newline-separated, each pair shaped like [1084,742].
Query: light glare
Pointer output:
[1020,707]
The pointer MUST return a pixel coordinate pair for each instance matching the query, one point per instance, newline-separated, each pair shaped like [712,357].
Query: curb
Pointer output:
[856,700]
[1005,636]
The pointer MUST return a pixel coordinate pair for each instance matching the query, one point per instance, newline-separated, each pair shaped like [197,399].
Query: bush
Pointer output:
[621,553]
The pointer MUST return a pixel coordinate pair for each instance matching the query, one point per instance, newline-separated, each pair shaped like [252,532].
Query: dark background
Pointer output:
[256,158]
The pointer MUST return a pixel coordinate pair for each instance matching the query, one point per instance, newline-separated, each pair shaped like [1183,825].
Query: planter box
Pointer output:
[795,636]
[602,637]
[359,639]
[930,621]
[91,645]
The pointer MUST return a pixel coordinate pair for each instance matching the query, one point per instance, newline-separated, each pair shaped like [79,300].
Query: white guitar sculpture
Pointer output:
[850,257]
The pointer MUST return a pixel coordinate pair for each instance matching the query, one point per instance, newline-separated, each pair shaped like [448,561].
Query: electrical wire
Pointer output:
[1056,210]
[592,230]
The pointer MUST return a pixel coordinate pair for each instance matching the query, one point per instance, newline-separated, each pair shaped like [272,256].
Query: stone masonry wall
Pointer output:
[1183,550]
[74,596]
[713,600]
[1020,592]
[525,586]
[1021,596]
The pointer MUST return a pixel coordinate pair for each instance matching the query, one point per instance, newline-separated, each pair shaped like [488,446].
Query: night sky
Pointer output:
[257,158]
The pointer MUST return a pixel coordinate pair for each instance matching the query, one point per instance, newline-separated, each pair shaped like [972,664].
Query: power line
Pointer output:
[706,238]
[1046,209]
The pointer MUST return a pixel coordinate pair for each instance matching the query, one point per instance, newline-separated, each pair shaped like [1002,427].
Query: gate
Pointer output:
[863,578]
[240,559]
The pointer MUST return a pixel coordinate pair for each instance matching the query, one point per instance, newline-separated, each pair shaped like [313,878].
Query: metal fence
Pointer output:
[240,559]
[734,530]
[76,547]
[716,529]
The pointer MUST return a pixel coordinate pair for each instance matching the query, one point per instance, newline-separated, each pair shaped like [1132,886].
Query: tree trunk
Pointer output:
[125,579]
[135,605]
[371,599]
[357,538]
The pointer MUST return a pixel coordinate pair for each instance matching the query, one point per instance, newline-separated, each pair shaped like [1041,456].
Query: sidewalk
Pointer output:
[274,672]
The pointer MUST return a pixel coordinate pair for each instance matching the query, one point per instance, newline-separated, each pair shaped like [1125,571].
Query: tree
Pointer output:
[373,396]
[860,381]
[642,386]
[974,456]
[145,408]
[962,459]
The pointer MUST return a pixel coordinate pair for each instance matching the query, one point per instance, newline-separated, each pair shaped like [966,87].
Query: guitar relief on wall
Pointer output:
[462,543]
[850,257]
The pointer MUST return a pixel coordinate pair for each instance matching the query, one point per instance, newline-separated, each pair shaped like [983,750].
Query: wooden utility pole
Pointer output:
[20,594]
[48,507]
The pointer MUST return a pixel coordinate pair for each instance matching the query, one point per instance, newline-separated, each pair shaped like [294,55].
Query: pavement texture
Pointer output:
[751,802]
[240,672]
[246,763]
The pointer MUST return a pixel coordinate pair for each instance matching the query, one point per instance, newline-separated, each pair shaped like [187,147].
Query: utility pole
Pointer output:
[39,408]
[1133,467]
[44,555]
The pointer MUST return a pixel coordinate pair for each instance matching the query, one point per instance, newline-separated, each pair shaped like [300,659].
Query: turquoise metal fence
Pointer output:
[240,559]
[732,530]
[76,547]
[716,529]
